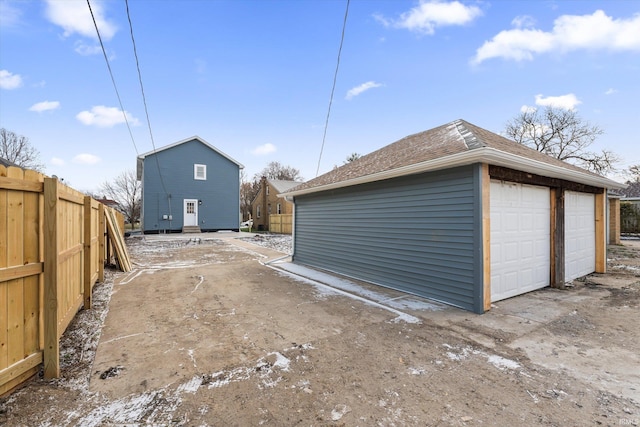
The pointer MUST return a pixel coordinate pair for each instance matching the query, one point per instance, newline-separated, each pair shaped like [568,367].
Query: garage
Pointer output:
[579,235]
[520,238]
[457,214]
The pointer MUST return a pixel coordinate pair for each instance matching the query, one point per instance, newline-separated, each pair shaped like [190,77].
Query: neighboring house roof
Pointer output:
[454,144]
[109,202]
[281,185]
[7,163]
[631,192]
[166,147]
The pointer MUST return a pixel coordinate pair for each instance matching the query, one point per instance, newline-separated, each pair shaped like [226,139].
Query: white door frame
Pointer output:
[190,219]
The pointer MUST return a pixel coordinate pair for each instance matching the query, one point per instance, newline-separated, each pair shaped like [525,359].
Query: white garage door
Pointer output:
[579,234]
[520,238]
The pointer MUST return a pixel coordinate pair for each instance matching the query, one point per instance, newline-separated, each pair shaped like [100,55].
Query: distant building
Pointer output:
[267,202]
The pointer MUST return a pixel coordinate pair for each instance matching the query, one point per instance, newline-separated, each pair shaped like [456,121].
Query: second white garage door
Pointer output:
[579,234]
[520,238]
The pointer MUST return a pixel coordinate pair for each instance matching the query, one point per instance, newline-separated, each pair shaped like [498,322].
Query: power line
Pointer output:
[144,99]
[333,88]
[113,80]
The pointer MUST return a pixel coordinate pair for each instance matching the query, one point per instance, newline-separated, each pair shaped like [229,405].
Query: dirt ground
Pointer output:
[215,331]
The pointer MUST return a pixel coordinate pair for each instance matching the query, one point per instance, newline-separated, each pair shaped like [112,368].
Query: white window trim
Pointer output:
[195,172]
[279,209]
[257,211]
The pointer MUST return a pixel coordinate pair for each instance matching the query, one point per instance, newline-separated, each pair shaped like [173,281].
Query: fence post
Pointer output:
[51,342]
[86,247]
[101,233]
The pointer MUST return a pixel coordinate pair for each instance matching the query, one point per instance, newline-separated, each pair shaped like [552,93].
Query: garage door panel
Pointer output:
[580,243]
[520,238]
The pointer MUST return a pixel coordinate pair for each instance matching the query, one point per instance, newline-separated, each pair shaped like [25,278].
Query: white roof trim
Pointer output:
[478,155]
[166,147]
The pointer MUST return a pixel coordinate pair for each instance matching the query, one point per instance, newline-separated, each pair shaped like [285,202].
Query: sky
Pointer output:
[254,78]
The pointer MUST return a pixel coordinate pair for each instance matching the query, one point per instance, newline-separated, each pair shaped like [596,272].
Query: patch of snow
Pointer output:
[191,386]
[499,362]
[339,411]
[626,267]
[502,363]
[281,361]
[417,371]
[278,242]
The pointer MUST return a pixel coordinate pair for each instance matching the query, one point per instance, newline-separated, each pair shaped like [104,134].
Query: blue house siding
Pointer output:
[419,233]
[219,194]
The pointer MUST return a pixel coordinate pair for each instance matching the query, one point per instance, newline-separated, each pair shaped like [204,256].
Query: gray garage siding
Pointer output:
[414,233]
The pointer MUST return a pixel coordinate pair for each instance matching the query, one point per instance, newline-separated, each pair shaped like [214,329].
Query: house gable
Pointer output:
[189,170]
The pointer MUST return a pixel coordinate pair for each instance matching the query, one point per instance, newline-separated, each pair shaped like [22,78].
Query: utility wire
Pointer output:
[106,58]
[335,78]
[144,99]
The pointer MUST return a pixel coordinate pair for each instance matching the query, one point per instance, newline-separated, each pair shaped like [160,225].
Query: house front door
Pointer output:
[190,212]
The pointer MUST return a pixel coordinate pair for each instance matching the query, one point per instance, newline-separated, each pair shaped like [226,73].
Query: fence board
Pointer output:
[281,223]
[4,325]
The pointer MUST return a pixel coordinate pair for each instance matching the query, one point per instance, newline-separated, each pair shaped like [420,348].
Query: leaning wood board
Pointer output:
[115,234]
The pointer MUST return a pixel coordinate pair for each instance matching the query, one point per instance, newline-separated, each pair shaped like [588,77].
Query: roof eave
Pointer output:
[479,155]
[196,137]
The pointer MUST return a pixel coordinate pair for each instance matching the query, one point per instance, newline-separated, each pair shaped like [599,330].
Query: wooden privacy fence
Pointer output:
[281,223]
[52,252]
[629,217]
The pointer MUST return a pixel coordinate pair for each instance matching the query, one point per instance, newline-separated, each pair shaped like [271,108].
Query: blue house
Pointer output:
[189,186]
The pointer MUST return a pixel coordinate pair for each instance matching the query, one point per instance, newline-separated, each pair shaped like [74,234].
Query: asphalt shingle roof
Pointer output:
[631,192]
[449,139]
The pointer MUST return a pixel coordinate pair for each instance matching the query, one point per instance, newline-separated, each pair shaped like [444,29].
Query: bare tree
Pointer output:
[125,190]
[352,158]
[634,174]
[247,194]
[17,149]
[276,170]
[561,134]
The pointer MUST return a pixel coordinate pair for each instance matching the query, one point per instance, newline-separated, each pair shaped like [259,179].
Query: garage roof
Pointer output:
[454,144]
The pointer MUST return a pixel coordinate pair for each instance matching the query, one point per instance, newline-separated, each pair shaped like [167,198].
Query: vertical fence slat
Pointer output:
[101,237]
[52,346]
[4,308]
[31,255]
[15,253]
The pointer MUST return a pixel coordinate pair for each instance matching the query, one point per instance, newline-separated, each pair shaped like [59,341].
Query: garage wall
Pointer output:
[413,233]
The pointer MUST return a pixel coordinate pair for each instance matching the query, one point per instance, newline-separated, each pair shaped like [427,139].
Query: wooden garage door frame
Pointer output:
[528,240]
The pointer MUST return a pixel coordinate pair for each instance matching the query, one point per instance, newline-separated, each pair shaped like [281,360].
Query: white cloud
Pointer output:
[74,17]
[611,91]
[85,50]
[264,149]
[429,15]
[9,15]
[353,92]
[566,102]
[86,159]
[570,32]
[523,21]
[56,161]
[9,80]
[102,116]
[527,109]
[45,106]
